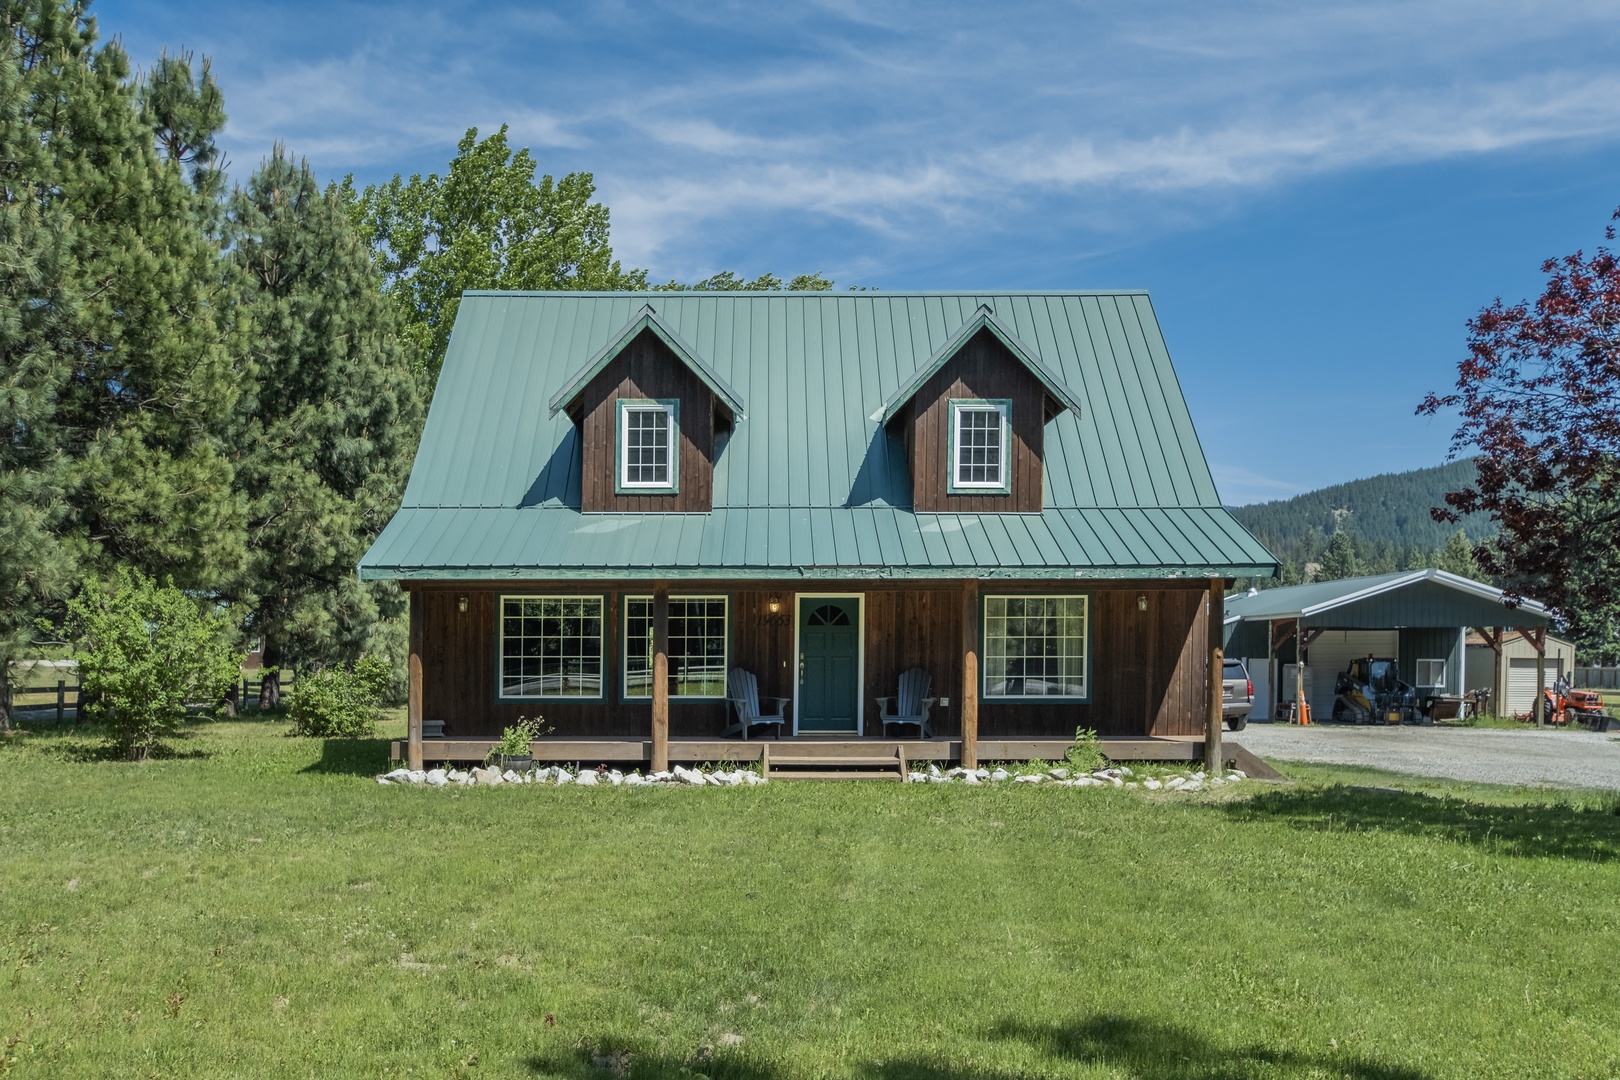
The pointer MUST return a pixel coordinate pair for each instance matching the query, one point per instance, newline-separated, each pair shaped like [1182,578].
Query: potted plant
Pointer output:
[511,750]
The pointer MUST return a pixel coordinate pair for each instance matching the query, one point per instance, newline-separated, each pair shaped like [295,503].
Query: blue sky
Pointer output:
[1317,195]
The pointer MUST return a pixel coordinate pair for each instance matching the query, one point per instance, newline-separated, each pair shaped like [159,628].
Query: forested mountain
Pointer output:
[1384,520]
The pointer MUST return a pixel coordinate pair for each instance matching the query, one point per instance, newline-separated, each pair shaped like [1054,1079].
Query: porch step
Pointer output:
[835,774]
[816,763]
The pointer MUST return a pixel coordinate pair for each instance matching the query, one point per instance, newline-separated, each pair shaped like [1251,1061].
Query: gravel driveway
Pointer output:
[1486,755]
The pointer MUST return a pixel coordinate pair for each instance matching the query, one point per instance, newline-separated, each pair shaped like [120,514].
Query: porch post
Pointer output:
[413,708]
[1212,715]
[970,674]
[660,692]
[1538,638]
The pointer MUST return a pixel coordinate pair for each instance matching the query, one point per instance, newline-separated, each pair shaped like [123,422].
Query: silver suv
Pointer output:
[1237,694]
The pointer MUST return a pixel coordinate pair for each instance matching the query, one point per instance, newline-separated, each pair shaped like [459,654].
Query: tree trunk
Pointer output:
[5,699]
[232,698]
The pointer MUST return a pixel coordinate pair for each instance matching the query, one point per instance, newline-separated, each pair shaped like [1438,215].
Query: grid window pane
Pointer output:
[697,646]
[1035,646]
[551,646]
[646,446]
[978,446]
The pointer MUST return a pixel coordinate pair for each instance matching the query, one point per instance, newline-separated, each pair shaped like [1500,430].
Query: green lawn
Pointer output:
[258,907]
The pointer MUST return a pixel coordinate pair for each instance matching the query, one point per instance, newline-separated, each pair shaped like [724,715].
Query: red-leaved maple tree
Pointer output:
[1539,399]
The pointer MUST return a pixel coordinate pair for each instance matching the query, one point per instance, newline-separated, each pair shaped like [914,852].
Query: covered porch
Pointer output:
[1144,680]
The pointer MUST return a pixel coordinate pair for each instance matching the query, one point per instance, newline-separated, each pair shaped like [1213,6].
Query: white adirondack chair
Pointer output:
[911,705]
[742,690]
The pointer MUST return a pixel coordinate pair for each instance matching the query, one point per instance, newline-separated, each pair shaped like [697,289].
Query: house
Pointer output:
[619,498]
[1422,618]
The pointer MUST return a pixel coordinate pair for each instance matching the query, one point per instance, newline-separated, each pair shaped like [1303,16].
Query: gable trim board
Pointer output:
[645,319]
[984,318]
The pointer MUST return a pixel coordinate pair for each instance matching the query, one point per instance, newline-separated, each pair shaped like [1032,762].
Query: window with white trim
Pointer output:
[551,647]
[1036,646]
[647,434]
[979,445]
[699,646]
[1431,673]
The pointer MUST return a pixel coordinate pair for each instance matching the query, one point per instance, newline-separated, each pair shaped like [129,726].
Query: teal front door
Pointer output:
[829,665]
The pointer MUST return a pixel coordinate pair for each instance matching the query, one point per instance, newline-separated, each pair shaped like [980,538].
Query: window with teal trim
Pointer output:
[1036,646]
[646,446]
[698,642]
[551,647]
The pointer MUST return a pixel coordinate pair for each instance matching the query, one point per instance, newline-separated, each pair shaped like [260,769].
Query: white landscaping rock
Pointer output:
[1151,784]
[970,778]
[487,777]
[384,781]
[511,777]
[1035,779]
[437,777]
[417,776]
[586,779]
[397,774]
[999,774]
[636,780]
[1060,774]
[754,778]
[615,777]
[564,777]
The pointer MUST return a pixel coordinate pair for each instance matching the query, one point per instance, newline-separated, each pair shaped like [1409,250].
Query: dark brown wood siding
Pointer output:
[983,368]
[1147,669]
[646,369]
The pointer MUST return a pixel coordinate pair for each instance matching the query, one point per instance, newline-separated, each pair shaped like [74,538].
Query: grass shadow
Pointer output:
[1590,833]
[588,1063]
[1153,1050]
[351,757]
[1137,1048]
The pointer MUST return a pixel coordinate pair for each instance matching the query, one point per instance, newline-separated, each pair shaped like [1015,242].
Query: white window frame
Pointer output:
[987,663]
[1418,674]
[671,410]
[601,645]
[624,667]
[959,407]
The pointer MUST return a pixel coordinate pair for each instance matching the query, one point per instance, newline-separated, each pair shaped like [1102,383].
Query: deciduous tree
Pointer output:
[1539,395]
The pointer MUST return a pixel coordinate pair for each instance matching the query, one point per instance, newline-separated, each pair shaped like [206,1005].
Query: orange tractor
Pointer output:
[1563,704]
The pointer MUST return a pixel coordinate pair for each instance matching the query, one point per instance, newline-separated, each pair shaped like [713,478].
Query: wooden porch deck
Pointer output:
[810,749]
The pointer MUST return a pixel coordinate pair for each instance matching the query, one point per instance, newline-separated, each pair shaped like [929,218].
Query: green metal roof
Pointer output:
[808,482]
[1408,598]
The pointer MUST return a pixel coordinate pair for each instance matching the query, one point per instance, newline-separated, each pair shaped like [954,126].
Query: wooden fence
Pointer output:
[1597,678]
[59,701]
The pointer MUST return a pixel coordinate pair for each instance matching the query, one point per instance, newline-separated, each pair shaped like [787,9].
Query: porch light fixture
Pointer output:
[461,604]
[1141,601]
[774,605]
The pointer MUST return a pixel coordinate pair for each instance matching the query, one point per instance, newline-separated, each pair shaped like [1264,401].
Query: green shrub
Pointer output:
[339,702]
[145,652]
[1086,754]
[515,740]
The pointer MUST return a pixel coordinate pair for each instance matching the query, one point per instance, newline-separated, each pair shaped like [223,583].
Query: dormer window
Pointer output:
[648,441]
[979,446]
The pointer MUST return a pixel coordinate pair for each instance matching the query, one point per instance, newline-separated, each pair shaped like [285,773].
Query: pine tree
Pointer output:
[1340,560]
[38,304]
[1457,557]
[160,356]
[326,437]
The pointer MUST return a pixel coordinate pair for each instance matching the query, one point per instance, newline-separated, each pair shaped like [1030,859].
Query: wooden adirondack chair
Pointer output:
[911,705]
[742,690]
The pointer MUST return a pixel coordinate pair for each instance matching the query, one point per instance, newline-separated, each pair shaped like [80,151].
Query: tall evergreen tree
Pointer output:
[122,350]
[38,303]
[327,433]
[1340,560]
[1457,557]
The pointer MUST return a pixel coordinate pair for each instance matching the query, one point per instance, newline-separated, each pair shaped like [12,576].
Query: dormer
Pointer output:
[974,418]
[648,409]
